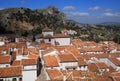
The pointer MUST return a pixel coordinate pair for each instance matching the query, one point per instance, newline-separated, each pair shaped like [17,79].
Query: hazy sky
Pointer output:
[83,11]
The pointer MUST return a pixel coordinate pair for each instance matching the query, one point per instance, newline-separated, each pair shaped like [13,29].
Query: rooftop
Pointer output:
[5,59]
[10,72]
[50,61]
[67,58]
[26,62]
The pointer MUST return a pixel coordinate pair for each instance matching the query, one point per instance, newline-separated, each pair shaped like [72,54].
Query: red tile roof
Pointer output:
[48,50]
[115,74]
[5,59]
[33,50]
[72,49]
[28,62]
[67,58]
[115,61]
[16,63]
[116,78]
[81,62]
[92,67]
[101,65]
[55,74]
[43,46]
[33,56]
[50,61]
[10,72]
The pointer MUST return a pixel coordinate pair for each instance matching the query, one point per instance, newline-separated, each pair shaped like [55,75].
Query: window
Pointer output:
[1,79]
[49,39]
[74,68]
[14,79]
[7,65]
[20,79]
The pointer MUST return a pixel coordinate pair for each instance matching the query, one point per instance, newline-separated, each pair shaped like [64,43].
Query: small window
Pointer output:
[73,68]
[14,79]
[7,65]
[49,39]
[20,79]
[1,79]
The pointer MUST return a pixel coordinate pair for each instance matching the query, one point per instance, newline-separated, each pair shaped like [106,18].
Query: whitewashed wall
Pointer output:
[63,41]
[4,65]
[52,41]
[2,43]
[67,64]
[10,78]
[29,75]
[30,67]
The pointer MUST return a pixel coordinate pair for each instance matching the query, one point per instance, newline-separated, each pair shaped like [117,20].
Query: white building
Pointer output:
[48,37]
[67,61]
[31,69]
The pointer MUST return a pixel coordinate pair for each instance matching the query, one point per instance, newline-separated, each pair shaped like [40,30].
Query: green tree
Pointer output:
[117,38]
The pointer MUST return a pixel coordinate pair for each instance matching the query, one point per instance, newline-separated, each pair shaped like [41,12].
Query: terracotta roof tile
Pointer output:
[115,61]
[11,45]
[21,45]
[71,49]
[33,56]
[33,50]
[5,59]
[115,74]
[92,67]
[48,50]
[82,63]
[97,49]
[116,78]
[55,74]
[10,72]
[20,51]
[2,49]
[50,61]
[25,51]
[43,46]
[101,65]
[67,58]
[16,63]
[28,62]
[89,56]
[111,69]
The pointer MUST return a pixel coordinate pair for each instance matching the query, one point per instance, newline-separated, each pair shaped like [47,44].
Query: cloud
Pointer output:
[111,14]
[95,8]
[69,8]
[78,14]
[2,8]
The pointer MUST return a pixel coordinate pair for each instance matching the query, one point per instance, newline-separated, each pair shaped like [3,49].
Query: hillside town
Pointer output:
[57,57]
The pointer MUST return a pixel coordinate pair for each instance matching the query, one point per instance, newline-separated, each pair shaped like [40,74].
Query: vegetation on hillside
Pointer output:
[24,21]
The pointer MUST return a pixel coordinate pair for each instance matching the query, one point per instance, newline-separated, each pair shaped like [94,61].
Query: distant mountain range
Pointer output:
[110,24]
